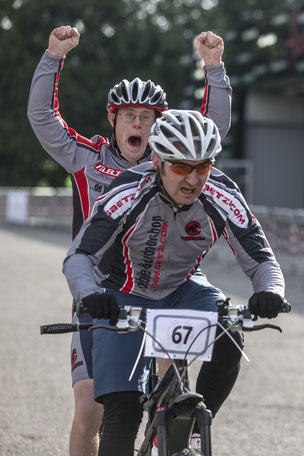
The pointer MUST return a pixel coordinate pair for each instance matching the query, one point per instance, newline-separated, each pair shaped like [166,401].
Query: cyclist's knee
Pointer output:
[122,416]
[88,413]
[226,353]
[123,408]
[163,365]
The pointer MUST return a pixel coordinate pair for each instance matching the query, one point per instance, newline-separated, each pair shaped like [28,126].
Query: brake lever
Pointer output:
[266,325]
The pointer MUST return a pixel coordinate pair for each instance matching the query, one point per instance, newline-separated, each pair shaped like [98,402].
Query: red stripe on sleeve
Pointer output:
[129,283]
[213,231]
[205,101]
[227,240]
[81,140]
[83,190]
[85,141]
[55,103]
[198,261]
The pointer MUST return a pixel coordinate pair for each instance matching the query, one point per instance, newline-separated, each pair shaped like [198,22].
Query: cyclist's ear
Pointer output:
[111,118]
[155,160]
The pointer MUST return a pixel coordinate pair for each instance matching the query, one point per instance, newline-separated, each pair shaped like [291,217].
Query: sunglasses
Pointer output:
[184,170]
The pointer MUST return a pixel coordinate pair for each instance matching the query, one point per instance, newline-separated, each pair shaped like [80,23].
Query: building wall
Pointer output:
[274,143]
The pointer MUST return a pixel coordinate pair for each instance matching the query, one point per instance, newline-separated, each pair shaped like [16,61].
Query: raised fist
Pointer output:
[62,40]
[210,47]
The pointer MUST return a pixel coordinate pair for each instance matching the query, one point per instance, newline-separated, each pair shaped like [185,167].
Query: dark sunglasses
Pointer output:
[184,170]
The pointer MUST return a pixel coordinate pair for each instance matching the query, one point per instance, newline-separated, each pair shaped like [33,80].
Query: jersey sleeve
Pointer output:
[248,242]
[216,103]
[65,145]
[96,236]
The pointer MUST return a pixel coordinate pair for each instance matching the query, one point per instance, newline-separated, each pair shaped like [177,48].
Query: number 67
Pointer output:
[177,335]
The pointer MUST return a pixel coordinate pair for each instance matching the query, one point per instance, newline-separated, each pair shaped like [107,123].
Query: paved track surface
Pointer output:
[263,416]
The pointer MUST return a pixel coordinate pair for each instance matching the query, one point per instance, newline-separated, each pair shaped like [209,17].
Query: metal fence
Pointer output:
[284,229]
[47,207]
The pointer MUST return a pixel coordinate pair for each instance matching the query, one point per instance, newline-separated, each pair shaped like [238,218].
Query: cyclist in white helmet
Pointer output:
[140,237]
[93,163]
[185,135]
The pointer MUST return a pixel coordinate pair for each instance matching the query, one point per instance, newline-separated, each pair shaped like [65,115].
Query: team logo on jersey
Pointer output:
[108,171]
[193,229]
[232,206]
[122,201]
[152,254]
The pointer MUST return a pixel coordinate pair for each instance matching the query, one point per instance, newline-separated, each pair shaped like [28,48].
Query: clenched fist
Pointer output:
[102,305]
[210,47]
[62,40]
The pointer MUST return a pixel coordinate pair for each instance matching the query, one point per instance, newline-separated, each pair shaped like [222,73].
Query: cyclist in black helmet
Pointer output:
[132,109]
[93,163]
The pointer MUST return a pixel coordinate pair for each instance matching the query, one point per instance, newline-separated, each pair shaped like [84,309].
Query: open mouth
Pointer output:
[188,191]
[134,141]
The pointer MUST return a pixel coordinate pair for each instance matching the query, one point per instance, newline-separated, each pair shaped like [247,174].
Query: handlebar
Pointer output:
[61,328]
[240,317]
[236,317]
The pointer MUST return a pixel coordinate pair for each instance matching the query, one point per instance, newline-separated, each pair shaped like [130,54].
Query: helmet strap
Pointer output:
[163,193]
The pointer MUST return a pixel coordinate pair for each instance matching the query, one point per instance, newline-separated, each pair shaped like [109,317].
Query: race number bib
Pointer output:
[182,333]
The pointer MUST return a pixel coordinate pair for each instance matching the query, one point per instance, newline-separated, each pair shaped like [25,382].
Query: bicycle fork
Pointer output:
[175,425]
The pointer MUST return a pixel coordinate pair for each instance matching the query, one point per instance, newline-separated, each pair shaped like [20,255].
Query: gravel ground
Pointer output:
[263,416]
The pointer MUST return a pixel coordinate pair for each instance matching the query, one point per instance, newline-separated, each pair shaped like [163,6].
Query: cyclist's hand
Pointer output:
[62,40]
[210,47]
[265,304]
[102,305]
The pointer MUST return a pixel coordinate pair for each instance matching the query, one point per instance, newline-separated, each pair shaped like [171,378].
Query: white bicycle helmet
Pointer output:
[184,135]
[137,93]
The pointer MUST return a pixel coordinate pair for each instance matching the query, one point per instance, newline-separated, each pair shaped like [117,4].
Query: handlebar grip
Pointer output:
[285,307]
[58,328]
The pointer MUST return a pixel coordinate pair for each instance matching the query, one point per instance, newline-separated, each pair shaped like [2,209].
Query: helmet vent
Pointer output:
[134,95]
[124,93]
[146,91]
[211,146]
[115,98]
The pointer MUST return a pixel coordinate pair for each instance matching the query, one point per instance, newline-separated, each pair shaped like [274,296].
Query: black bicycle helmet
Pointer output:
[137,93]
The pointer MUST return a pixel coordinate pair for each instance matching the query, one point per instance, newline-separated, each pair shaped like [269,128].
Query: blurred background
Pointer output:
[154,39]
[263,153]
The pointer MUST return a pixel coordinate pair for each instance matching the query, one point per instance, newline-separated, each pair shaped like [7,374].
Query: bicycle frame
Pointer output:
[171,415]
[172,408]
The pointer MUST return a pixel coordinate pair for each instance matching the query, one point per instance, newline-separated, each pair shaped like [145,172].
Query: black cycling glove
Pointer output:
[102,305]
[265,304]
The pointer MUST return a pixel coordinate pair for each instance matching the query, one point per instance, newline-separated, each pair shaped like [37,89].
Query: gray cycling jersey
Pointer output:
[139,242]
[93,163]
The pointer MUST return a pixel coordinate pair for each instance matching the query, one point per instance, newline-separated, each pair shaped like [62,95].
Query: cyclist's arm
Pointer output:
[97,235]
[64,144]
[216,102]
[252,250]
[80,267]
